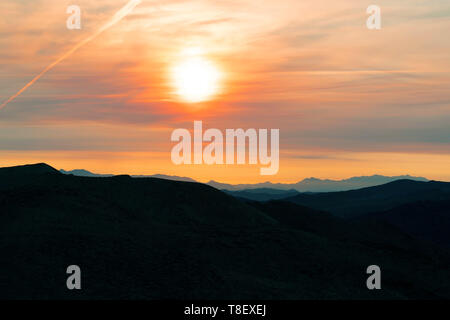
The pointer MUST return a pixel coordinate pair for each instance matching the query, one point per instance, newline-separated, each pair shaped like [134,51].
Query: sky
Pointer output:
[348,101]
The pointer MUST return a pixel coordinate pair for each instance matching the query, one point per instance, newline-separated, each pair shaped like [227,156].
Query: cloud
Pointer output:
[115,19]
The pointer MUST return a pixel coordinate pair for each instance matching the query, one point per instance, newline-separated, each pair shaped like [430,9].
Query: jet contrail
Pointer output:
[116,18]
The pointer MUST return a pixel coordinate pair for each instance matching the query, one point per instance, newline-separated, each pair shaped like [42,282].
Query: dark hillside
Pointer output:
[153,239]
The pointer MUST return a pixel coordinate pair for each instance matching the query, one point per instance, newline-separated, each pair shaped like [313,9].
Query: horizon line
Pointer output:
[211,180]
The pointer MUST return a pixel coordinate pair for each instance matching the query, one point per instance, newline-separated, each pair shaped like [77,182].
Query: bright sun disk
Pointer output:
[196,79]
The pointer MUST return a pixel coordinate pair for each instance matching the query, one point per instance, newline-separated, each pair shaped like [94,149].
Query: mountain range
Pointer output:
[151,238]
[306,185]
[86,173]
[319,185]
[353,203]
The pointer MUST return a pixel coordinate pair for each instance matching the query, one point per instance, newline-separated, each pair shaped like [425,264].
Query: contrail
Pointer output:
[116,18]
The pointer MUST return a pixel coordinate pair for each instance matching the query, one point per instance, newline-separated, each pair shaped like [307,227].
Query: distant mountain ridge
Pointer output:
[354,203]
[306,185]
[86,173]
[319,185]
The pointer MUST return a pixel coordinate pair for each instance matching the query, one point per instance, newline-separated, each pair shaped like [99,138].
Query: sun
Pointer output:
[195,77]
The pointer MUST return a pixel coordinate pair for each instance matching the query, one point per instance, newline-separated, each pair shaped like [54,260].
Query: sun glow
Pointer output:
[195,77]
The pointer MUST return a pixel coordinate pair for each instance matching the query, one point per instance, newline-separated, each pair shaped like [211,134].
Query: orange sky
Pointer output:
[348,101]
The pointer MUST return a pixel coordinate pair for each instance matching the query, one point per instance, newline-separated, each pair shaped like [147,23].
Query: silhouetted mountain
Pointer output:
[29,169]
[164,176]
[263,194]
[155,239]
[309,185]
[85,173]
[373,199]
[318,185]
